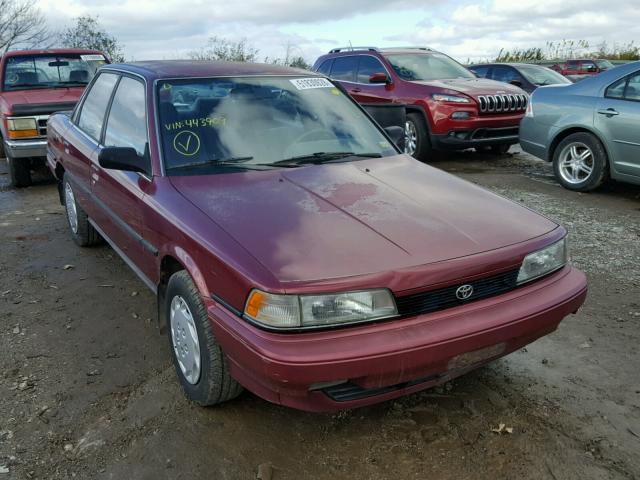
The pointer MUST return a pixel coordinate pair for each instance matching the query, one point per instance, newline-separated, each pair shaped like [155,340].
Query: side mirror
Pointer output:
[123,158]
[592,68]
[379,78]
[517,83]
[396,134]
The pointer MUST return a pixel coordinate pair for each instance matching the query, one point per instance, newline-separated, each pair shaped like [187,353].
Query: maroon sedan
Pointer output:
[293,249]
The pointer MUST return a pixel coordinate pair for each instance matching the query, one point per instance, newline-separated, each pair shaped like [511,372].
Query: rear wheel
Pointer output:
[202,367]
[416,137]
[19,171]
[580,162]
[82,231]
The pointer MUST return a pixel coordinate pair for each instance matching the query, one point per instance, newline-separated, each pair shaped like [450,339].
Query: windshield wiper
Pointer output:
[66,84]
[227,162]
[324,157]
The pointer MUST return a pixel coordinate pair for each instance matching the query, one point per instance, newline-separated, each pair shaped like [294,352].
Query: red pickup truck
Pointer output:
[34,84]
[579,69]
[294,250]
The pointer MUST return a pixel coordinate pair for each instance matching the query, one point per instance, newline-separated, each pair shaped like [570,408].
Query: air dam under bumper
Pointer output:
[26,148]
[480,137]
[385,360]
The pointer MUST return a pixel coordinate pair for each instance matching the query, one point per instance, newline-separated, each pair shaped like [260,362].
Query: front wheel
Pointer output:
[416,137]
[580,162]
[19,171]
[202,367]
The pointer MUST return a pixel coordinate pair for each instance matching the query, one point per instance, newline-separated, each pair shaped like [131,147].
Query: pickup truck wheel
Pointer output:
[82,231]
[416,137]
[19,171]
[580,162]
[202,367]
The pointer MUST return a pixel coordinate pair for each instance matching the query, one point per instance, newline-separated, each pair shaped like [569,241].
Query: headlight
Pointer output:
[22,127]
[543,261]
[450,98]
[300,311]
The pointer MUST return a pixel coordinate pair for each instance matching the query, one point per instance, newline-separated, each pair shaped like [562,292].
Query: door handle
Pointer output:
[609,112]
[356,90]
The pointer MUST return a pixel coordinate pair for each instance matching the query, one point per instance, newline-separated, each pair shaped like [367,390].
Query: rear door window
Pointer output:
[95,105]
[616,90]
[127,123]
[368,66]
[632,92]
[344,68]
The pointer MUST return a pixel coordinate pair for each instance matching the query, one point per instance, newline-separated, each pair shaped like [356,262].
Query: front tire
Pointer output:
[416,137]
[19,171]
[580,162]
[202,367]
[81,229]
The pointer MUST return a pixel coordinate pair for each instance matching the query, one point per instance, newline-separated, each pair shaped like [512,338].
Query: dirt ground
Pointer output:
[87,389]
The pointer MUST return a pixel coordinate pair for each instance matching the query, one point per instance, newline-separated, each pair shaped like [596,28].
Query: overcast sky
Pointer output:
[465,29]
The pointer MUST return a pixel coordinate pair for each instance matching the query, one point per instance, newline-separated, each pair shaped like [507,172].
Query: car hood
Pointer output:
[338,220]
[473,86]
[42,96]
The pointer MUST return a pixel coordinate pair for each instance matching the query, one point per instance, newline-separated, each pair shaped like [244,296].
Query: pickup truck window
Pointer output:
[127,123]
[27,72]
[221,125]
[95,105]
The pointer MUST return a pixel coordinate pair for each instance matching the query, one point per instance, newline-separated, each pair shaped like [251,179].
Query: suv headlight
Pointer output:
[543,261]
[301,311]
[450,98]
[22,127]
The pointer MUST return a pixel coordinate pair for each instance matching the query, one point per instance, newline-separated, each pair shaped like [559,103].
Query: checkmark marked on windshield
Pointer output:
[186,143]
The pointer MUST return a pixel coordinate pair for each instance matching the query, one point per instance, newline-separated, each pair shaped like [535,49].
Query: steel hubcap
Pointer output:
[70,203]
[410,138]
[184,337]
[576,163]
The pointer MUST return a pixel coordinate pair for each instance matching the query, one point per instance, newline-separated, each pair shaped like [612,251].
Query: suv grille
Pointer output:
[502,103]
[431,301]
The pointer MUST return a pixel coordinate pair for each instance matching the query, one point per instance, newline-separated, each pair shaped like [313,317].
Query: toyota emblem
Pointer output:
[464,291]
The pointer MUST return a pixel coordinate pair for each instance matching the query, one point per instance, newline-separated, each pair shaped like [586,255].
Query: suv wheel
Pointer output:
[580,162]
[201,365]
[82,231]
[416,137]
[19,171]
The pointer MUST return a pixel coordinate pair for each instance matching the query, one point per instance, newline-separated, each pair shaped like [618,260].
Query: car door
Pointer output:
[365,91]
[80,143]
[617,116]
[343,71]
[120,193]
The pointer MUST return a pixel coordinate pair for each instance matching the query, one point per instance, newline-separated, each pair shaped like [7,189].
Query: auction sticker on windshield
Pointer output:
[308,83]
[92,57]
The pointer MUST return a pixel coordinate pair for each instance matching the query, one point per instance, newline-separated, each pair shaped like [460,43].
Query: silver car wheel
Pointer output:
[410,138]
[576,163]
[70,204]
[184,337]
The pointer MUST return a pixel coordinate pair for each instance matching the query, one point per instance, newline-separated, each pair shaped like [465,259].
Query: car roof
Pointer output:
[153,70]
[508,64]
[50,51]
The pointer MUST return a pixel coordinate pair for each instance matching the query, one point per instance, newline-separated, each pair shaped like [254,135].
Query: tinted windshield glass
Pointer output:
[604,64]
[219,125]
[50,71]
[431,66]
[542,76]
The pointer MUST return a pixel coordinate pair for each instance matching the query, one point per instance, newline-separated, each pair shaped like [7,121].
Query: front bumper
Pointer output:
[480,137]
[389,359]
[26,148]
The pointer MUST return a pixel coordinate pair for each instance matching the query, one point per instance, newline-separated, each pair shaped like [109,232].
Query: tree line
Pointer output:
[567,49]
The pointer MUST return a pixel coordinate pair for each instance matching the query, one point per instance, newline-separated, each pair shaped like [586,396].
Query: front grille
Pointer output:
[42,125]
[502,103]
[345,392]
[433,300]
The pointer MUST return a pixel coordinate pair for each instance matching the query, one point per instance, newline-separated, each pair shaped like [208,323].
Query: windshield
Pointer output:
[604,64]
[27,72]
[541,75]
[427,66]
[218,125]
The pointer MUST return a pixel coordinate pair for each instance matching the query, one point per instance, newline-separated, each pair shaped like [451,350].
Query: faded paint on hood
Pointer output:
[336,220]
[42,95]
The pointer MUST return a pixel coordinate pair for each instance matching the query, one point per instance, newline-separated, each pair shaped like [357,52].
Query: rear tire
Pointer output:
[417,142]
[81,229]
[580,162]
[201,366]
[19,171]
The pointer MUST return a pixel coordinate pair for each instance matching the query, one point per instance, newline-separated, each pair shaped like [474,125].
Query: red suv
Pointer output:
[448,107]
[34,84]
